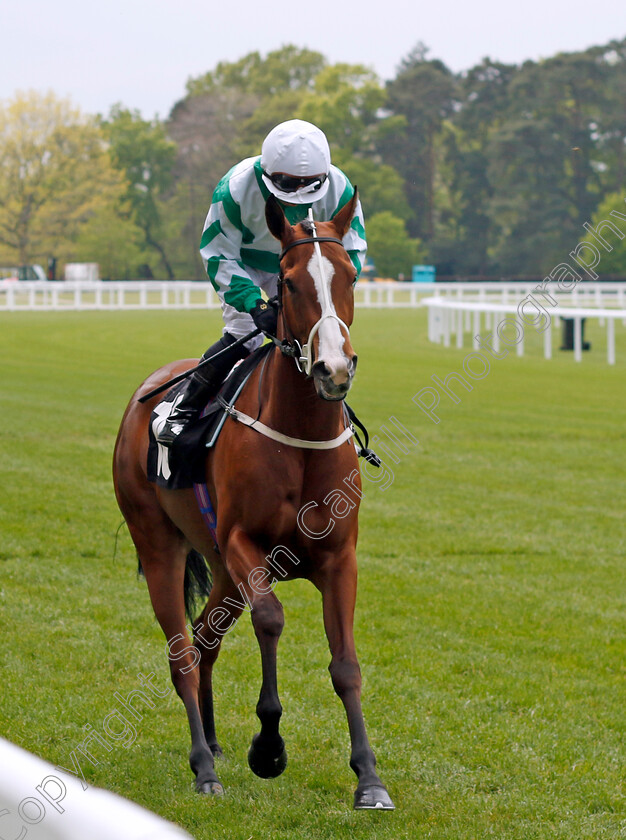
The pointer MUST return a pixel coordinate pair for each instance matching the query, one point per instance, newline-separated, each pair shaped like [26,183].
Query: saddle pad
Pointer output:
[182,465]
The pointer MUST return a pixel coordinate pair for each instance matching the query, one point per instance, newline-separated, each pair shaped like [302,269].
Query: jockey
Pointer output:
[241,256]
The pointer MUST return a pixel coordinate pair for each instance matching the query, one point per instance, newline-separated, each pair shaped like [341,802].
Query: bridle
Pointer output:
[303,354]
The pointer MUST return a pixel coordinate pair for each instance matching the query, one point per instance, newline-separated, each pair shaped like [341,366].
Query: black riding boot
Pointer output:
[200,387]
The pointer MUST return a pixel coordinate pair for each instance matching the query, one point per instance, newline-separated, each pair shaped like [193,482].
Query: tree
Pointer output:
[613,261]
[542,161]
[229,111]
[380,186]
[423,93]
[345,103]
[55,171]
[289,68]
[462,243]
[141,150]
[390,248]
[206,129]
[112,241]
[611,130]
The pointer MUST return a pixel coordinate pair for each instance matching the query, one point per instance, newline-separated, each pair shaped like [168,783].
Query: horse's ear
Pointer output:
[276,220]
[343,218]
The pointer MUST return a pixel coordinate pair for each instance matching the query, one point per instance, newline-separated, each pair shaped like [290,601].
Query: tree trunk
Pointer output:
[161,252]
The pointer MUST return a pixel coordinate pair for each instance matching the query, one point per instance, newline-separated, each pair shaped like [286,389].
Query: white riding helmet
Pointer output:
[295,159]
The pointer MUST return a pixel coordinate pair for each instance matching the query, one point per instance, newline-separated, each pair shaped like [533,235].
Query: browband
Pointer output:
[308,241]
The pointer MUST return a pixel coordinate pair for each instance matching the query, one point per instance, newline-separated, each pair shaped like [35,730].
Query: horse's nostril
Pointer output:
[353,362]
[321,369]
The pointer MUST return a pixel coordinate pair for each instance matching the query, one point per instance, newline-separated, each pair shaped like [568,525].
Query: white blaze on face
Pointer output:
[331,339]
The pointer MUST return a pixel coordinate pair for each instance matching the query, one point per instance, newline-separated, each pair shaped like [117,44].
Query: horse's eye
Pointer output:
[289,284]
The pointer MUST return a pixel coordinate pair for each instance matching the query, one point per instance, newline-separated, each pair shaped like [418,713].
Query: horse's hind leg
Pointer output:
[267,756]
[163,554]
[214,622]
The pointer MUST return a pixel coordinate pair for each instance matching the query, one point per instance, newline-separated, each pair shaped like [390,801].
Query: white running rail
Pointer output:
[450,315]
[201,295]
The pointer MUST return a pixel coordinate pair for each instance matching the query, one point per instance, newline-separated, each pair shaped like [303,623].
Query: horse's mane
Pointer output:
[307,227]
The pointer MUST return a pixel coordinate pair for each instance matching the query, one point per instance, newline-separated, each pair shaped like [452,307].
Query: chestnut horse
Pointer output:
[272,496]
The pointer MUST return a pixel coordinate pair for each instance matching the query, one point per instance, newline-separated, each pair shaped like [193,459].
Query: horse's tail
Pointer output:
[197,584]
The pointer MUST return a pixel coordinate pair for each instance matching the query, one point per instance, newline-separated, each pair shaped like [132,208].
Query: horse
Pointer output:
[272,483]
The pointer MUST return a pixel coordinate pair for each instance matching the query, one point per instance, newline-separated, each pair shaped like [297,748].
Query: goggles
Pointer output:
[292,183]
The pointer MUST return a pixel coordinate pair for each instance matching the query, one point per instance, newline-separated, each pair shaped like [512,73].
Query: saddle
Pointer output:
[182,465]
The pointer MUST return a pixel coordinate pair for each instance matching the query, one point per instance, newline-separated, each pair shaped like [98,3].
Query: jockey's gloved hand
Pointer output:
[265,317]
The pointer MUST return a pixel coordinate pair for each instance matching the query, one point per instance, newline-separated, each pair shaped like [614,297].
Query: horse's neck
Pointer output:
[292,406]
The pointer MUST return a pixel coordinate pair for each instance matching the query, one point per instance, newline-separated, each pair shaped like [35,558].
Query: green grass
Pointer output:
[490,620]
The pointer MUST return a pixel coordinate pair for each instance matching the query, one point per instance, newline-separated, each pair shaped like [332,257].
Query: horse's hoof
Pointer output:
[372,798]
[216,750]
[262,763]
[210,788]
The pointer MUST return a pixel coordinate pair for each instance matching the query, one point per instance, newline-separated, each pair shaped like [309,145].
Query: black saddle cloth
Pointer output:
[182,465]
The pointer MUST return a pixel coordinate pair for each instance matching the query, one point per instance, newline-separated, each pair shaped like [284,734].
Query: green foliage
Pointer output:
[380,186]
[390,247]
[113,241]
[494,169]
[141,150]
[345,103]
[613,261]
[423,93]
[289,68]
[55,172]
[462,243]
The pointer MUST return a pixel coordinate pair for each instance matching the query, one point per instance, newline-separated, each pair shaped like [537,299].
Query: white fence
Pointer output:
[448,315]
[201,295]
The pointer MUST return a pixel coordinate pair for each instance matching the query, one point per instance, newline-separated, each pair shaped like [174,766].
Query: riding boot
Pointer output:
[200,387]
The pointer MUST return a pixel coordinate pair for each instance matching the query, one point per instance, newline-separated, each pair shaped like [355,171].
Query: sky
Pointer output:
[141,53]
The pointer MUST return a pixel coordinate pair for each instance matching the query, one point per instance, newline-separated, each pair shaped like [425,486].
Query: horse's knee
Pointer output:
[345,675]
[268,618]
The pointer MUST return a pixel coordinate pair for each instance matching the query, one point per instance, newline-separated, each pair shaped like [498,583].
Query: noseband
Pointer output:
[303,354]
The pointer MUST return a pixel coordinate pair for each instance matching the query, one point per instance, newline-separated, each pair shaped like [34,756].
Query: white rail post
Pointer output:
[578,345]
[490,318]
[610,340]
[547,343]
[520,343]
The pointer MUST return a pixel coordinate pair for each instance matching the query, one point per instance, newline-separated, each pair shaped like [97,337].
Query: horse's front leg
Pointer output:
[246,563]
[336,579]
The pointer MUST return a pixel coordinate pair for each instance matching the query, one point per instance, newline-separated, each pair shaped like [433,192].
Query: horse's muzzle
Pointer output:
[333,385]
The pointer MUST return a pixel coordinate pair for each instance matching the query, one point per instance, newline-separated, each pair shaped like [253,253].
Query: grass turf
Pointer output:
[490,620]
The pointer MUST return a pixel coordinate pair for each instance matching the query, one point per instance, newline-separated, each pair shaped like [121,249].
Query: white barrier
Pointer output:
[449,315]
[42,802]
[103,295]
[201,295]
